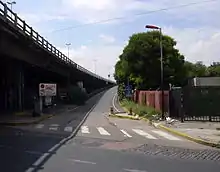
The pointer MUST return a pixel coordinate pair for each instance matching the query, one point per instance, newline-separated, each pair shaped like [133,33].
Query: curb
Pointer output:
[26,123]
[188,137]
[124,117]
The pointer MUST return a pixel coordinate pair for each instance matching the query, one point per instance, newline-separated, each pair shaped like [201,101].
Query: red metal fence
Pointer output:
[152,99]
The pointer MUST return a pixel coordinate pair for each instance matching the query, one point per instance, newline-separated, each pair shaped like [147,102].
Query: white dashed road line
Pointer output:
[165,135]
[102,131]
[85,130]
[142,133]
[83,162]
[126,134]
[133,170]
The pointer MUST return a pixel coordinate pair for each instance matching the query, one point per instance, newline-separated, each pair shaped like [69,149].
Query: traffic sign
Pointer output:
[128,91]
[46,89]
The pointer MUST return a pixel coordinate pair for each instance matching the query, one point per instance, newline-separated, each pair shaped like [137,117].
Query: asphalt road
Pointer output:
[22,146]
[101,144]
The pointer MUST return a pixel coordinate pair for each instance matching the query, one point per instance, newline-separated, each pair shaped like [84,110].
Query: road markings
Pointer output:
[68,129]
[126,134]
[83,162]
[113,103]
[65,140]
[39,126]
[40,159]
[102,131]
[133,170]
[53,128]
[165,135]
[85,130]
[142,133]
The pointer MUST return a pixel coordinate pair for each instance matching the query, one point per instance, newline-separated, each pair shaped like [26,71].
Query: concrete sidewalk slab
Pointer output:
[209,137]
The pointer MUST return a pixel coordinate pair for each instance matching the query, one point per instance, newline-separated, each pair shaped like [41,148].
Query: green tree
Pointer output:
[197,69]
[140,61]
[214,69]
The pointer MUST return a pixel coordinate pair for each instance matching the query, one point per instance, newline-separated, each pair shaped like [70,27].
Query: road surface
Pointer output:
[101,144]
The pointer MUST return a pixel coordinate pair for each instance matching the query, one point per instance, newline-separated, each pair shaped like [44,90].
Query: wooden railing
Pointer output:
[7,15]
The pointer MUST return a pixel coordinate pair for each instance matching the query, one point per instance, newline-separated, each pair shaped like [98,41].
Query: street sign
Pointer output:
[46,89]
[128,91]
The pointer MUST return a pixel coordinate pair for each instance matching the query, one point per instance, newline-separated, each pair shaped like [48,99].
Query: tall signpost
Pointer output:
[47,91]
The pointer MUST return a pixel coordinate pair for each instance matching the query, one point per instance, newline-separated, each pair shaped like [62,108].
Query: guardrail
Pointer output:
[8,15]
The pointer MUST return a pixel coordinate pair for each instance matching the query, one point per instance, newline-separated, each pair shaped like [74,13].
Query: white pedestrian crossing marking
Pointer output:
[102,131]
[142,133]
[85,130]
[53,128]
[39,126]
[126,134]
[165,135]
[68,129]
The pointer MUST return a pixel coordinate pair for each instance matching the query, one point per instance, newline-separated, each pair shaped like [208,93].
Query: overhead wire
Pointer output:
[138,14]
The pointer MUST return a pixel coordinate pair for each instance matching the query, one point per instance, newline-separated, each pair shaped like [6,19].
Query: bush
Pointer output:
[141,110]
[76,95]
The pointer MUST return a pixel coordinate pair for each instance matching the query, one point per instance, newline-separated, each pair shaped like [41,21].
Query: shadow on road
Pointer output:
[20,149]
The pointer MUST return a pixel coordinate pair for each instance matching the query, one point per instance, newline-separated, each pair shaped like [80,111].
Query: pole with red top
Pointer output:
[161,65]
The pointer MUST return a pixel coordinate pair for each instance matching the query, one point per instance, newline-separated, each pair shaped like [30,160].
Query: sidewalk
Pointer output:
[207,133]
[26,118]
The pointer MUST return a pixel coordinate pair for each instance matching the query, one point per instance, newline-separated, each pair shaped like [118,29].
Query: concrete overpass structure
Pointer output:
[27,59]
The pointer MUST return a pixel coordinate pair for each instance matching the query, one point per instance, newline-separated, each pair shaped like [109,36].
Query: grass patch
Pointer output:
[141,110]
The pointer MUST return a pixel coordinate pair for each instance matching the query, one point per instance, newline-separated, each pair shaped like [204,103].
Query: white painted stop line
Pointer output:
[102,131]
[165,135]
[85,130]
[143,133]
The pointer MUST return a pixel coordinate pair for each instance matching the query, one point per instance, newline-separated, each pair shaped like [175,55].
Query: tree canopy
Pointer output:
[140,61]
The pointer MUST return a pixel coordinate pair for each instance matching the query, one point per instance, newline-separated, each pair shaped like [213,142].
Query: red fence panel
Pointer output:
[150,99]
[158,100]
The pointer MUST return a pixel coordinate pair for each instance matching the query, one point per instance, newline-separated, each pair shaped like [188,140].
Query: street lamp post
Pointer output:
[11,4]
[95,65]
[161,65]
[68,47]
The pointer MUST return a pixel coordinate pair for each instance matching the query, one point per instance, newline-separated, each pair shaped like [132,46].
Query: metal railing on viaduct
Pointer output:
[13,19]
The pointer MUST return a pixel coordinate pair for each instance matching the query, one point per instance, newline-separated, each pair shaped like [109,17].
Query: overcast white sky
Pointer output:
[196,28]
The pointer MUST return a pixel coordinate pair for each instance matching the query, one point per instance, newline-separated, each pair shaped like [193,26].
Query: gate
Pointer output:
[201,103]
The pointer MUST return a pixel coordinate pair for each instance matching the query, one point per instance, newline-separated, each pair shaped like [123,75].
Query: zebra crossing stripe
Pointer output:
[102,131]
[53,128]
[126,134]
[165,135]
[142,133]
[68,129]
[85,130]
